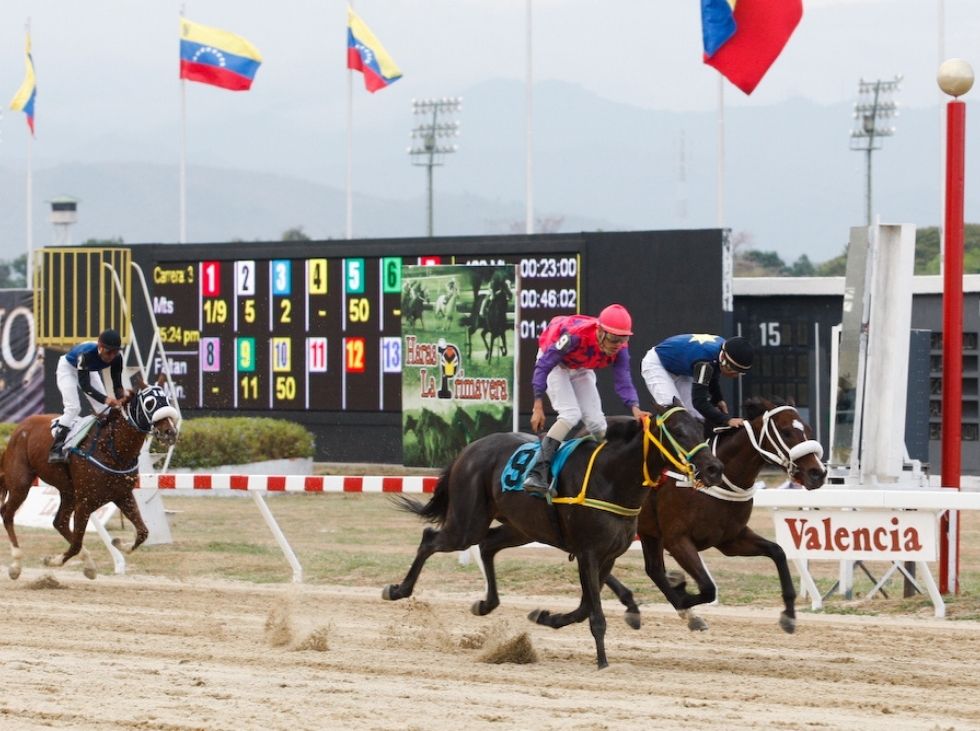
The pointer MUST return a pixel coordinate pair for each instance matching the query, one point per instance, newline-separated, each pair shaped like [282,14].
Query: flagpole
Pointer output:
[350,154]
[182,223]
[528,168]
[28,268]
[721,152]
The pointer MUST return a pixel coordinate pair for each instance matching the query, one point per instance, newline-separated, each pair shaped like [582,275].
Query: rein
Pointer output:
[94,445]
[679,460]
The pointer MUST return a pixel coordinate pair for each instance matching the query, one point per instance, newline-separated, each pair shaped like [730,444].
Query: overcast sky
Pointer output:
[112,64]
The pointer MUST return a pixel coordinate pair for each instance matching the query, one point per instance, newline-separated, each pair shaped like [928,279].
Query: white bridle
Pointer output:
[779,454]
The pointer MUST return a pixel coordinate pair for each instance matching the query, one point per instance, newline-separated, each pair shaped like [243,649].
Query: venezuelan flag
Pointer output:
[742,38]
[23,100]
[366,54]
[217,57]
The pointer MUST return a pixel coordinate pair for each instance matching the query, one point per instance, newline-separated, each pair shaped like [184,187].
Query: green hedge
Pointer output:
[214,441]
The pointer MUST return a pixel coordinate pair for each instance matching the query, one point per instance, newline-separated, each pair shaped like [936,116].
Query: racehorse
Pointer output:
[685,521]
[414,299]
[102,468]
[490,316]
[600,490]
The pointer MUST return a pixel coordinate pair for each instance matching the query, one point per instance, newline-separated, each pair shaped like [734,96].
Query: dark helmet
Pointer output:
[110,340]
[737,354]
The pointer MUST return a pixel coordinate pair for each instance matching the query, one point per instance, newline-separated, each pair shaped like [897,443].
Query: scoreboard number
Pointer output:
[317,269]
[211,278]
[282,277]
[246,354]
[316,355]
[245,278]
[354,349]
[210,354]
[280,354]
[391,271]
[391,355]
[354,276]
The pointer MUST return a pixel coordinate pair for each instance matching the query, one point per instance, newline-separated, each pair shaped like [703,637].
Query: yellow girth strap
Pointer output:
[581,499]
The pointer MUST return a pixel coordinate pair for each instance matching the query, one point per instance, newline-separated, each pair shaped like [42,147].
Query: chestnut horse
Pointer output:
[600,490]
[684,521]
[102,468]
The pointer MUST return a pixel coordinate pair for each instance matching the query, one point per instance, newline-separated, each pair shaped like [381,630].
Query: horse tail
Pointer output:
[434,511]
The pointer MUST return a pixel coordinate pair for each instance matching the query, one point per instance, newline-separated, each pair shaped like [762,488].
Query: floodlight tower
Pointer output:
[873,107]
[429,146]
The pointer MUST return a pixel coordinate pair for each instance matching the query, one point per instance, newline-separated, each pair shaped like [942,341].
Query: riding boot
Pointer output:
[56,455]
[538,480]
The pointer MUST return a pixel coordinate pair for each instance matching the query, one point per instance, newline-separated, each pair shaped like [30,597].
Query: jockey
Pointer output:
[688,367]
[81,367]
[570,349]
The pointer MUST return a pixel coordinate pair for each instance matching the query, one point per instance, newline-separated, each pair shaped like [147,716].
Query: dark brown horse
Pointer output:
[600,491]
[684,521]
[101,469]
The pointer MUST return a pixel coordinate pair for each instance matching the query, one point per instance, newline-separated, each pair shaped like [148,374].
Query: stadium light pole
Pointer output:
[429,145]
[871,110]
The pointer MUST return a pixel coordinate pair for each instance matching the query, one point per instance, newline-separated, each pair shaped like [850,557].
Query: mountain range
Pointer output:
[792,185]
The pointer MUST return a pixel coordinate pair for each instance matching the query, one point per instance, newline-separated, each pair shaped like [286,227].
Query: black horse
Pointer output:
[600,491]
[489,315]
[414,299]
[684,522]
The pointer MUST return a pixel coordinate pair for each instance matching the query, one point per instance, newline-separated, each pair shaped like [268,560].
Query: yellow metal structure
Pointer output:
[74,296]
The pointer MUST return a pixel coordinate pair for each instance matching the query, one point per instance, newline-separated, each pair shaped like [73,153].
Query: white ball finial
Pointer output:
[955,76]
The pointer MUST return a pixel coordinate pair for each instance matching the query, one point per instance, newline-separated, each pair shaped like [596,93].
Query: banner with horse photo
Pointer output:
[459,358]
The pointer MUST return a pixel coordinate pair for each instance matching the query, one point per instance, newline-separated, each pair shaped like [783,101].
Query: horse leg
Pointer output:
[670,584]
[433,541]
[750,543]
[488,344]
[15,499]
[62,524]
[590,607]
[80,520]
[623,593]
[130,508]
[687,556]
[499,538]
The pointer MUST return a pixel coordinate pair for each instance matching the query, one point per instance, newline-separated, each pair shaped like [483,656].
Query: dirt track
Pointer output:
[136,652]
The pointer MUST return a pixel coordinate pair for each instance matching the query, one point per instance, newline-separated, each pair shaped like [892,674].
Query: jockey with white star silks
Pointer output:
[688,367]
[81,368]
[570,349]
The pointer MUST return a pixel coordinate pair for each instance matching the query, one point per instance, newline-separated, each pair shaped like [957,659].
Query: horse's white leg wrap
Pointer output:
[16,555]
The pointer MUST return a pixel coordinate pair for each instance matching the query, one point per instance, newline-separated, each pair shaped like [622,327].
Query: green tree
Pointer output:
[13,274]
[802,267]
[296,233]
[928,249]
[105,243]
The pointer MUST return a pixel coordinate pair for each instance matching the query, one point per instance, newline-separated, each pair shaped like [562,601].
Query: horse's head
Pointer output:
[149,409]
[781,436]
[683,437]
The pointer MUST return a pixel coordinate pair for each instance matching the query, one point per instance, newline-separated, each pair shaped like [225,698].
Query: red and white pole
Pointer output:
[955,78]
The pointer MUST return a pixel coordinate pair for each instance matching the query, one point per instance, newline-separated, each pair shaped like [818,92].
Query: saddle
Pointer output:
[77,432]
[526,456]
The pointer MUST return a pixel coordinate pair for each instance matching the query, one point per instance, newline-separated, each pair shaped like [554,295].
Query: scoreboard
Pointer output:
[316,333]
[311,330]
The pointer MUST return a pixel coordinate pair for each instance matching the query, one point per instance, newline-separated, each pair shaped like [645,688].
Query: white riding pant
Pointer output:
[573,394]
[68,377]
[664,385]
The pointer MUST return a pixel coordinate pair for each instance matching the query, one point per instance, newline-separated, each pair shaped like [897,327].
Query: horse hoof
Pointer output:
[117,543]
[89,573]
[52,561]
[787,623]
[696,624]
[391,593]
[539,616]
[603,664]
[13,572]
[632,619]
[481,608]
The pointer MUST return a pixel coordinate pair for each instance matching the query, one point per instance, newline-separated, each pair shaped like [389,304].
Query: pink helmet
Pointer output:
[616,320]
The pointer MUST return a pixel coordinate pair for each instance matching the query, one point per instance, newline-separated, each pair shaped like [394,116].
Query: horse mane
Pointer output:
[756,406]
[622,429]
